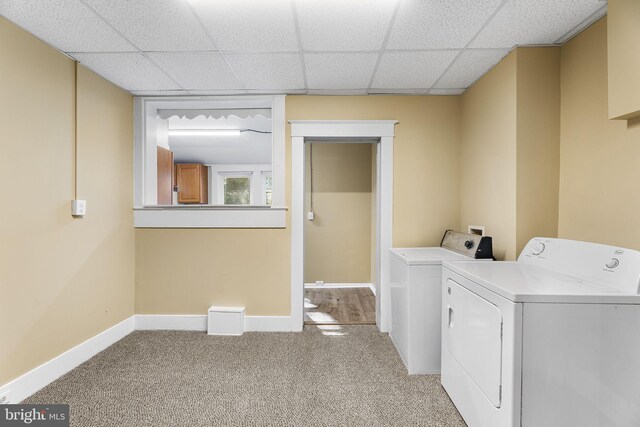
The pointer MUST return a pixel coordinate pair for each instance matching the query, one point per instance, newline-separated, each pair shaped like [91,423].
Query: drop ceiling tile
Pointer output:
[412,69]
[469,67]
[338,25]
[339,70]
[130,71]
[67,25]
[437,24]
[276,91]
[583,25]
[268,71]
[218,92]
[155,25]
[379,91]
[446,91]
[534,22]
[196,70]
[159,93]
[249,25]
[341,92]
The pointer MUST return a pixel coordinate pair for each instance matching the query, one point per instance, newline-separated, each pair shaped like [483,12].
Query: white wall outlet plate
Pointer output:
[476,229]
[319,283]
[78,207]
[310,216]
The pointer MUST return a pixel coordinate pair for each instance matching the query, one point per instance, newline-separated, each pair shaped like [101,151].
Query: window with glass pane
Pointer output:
[237,190]
[267,190]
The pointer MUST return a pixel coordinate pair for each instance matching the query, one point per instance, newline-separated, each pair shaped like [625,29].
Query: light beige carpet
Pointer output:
[334,376]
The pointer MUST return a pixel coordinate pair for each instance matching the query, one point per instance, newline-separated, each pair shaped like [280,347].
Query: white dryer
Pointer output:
[550,340]
[416,276]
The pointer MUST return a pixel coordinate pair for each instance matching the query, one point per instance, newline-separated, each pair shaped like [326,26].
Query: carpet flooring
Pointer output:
[324,376]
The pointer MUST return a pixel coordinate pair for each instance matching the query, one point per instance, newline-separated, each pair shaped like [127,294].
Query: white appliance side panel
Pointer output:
[415,315]
[399,290]
[474,338]
[581,365]
[428,330]
[476,409]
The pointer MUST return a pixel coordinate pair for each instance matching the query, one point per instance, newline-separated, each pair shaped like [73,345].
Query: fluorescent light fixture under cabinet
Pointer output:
[205,132]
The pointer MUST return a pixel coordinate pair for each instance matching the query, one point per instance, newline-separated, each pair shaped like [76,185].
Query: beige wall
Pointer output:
[62,280]
[426,183]
[623,58]
[488,157]
[338,240]
[510,150]
[538,143]
[185,271]
[600,158]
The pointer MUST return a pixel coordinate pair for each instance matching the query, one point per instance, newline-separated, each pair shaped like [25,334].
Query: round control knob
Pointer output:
[613,263]
[538,248]
[468,244]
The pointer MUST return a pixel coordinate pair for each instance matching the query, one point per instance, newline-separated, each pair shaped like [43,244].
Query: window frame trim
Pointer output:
[148,215]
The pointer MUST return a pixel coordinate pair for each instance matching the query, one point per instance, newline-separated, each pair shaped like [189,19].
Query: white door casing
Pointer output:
[343,131]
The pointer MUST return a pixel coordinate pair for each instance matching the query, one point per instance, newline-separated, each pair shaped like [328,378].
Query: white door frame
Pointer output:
[343,131]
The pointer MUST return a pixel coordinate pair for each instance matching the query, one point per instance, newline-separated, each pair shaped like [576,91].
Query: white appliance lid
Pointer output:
[426,256]
[519,282]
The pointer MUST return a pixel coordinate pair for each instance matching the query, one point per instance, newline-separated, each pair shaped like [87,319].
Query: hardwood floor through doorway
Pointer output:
[339,306]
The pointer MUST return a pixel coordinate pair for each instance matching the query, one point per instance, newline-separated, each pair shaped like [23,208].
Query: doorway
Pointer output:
[380,131]
[340,232]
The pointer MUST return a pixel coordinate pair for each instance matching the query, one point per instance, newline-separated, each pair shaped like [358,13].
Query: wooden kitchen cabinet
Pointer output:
[193,183]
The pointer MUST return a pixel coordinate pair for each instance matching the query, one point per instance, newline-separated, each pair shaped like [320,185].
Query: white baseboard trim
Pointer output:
[37,378]
[341,286]
[34,380]
[171,322]
[196,322]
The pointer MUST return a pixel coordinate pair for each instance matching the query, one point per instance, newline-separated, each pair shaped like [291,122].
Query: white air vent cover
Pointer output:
[225,321]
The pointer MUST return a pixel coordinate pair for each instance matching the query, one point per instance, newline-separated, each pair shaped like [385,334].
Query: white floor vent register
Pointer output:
[225,320]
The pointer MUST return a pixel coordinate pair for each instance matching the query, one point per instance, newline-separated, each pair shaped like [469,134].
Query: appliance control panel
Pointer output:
[610,266]
[471,245]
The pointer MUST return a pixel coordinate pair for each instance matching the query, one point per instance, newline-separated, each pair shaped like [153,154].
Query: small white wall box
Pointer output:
[78,207]
[225,320]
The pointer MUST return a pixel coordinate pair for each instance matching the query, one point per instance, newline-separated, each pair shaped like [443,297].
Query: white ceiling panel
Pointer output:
[159,92]
[339,70]
[437,24]
[469,67]
[155,25]
[268,71]
[338,25]
[131,71]
[412,69]
[446,91]
[196,70]
[534,22]
[249,25]
[66,24]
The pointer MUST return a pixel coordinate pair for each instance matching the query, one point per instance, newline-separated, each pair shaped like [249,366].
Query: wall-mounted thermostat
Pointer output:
[78,207]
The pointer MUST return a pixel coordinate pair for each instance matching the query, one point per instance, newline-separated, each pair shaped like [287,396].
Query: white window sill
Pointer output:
[207,216]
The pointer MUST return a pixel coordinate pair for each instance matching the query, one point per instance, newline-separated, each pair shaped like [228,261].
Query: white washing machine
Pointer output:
[550,340]
[416,276]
